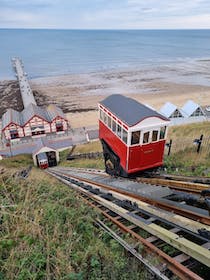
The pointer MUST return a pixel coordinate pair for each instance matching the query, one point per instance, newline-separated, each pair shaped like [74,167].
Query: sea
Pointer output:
[182,54]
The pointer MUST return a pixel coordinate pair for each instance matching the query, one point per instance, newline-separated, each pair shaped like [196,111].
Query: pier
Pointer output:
[25,89]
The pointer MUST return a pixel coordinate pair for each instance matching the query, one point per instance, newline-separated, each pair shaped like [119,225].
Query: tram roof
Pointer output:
[129,110]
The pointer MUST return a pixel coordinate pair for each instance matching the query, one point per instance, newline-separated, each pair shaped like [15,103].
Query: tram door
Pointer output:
[152,149]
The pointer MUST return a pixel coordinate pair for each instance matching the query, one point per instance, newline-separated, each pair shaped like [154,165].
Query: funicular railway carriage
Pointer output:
[42,161]
[132,135]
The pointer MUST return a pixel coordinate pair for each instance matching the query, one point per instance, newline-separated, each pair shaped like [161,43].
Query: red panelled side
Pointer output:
[145,156]
[43,165]
[139,157]
[117,145]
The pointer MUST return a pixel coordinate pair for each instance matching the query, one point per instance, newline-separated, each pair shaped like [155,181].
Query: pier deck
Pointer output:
[25,89]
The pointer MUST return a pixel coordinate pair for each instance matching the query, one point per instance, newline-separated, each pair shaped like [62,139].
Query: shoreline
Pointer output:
[81,93]
[78,94]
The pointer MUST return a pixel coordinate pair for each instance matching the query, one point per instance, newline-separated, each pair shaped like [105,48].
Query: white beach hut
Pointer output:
[192,109]
[171,111]
[206,112]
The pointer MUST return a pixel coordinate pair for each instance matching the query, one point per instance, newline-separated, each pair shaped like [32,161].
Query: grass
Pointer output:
[17,161]
[184,159]
[90,147]
[194,130]
[48,233]
[85,163]
[188,162]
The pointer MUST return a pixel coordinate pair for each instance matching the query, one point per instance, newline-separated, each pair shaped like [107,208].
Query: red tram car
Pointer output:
[132,135]
[42,161]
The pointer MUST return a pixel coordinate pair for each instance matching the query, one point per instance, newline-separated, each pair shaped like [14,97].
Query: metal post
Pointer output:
[199,143]
[169,147]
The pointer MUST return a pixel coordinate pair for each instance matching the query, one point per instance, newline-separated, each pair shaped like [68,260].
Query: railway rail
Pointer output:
[180,185]
[192,179]
[165,204]
[131,216]
[195,185]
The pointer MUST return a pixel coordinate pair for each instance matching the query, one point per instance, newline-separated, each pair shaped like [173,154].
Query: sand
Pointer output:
[78,94]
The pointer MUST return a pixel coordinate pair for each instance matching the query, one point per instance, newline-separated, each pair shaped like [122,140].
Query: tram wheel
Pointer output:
[112,161]
[111,164]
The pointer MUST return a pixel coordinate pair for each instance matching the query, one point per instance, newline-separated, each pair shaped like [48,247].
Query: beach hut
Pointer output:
[192,109]
[171,111]
[206,111]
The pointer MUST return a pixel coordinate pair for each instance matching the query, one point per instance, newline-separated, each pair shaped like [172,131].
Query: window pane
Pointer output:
[113,126]
[162,132]
[119,130]
[124,136]
[135,137]
[154,135]
[146,137]
[105,118]
[109,122]
[101,115]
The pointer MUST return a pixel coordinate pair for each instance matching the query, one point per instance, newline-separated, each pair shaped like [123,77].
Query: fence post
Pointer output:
[169,146]
[199,143]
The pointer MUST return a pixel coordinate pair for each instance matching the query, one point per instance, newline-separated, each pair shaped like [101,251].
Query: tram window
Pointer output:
[146,137]
[135,137]
[124,136]
[113,126]
[101,115]
[109,122]
[119,130]
[154,135]
[105,118]
[162,132]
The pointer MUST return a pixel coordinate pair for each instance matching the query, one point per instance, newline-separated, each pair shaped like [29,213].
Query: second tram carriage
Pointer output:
[133,135]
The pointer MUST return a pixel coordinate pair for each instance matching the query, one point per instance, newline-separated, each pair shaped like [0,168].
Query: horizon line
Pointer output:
[99,29]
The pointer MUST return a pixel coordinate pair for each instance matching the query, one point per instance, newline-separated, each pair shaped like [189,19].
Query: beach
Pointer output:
[82,67]
[79,94]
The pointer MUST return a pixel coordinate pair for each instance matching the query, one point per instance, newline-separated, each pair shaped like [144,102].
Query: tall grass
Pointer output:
[17,161]
[184,158]
[48,233]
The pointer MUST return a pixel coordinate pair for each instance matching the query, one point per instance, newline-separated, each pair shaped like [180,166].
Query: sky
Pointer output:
[105,14]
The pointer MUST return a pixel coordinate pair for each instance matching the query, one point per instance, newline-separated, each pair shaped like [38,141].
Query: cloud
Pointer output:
[153,14]
[96,14]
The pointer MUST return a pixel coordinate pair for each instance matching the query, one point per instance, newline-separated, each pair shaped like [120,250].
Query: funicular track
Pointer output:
[200,192]
[162,204]
[179,183]
[185,255]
